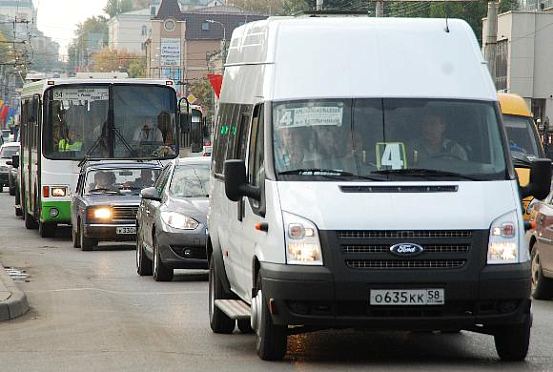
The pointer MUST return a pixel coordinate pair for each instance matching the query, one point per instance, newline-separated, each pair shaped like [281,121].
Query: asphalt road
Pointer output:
[91,312]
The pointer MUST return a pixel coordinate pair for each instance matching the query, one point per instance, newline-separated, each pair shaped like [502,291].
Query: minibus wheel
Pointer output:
[219,321]
[271,339]
[511,341]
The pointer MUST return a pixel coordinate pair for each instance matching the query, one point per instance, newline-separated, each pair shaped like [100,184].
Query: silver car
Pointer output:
[172,220]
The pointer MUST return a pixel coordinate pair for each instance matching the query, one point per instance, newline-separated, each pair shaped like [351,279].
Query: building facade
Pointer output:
[130,31]
[523,58]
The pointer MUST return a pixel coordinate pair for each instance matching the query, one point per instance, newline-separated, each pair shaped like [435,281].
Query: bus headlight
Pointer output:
[503,244]
[301,237]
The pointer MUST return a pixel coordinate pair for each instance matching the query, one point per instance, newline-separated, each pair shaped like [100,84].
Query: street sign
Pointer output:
[191,98]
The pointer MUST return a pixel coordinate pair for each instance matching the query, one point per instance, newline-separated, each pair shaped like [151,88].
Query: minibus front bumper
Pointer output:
[316,297]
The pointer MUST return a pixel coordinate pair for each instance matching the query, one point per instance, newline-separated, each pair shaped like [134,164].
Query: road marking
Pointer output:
[115,291]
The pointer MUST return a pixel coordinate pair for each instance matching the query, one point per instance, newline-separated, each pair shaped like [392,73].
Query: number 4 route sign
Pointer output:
[390,155]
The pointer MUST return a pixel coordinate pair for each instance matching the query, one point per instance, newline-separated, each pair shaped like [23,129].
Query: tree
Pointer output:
[89,36]
[115,7]
[108,60]
[203,92]
[137,67]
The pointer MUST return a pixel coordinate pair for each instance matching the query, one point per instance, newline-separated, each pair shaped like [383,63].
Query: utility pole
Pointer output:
[319,5]
[490,47]
[379,11]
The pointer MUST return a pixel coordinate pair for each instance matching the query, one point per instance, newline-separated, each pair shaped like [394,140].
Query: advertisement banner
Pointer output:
[170,52]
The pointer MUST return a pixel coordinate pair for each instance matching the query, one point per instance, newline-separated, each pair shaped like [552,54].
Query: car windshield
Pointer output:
[381,139]
[190,180]
[8,151]
[522,138]
[78,122]
[127,181]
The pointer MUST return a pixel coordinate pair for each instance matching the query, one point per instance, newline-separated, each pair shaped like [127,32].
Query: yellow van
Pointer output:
[524,140]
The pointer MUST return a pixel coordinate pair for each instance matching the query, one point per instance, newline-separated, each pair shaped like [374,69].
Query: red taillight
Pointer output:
[45,191]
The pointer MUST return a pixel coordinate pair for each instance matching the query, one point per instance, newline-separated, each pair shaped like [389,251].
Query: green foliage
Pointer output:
[204,94]
[115,7]
[137,68]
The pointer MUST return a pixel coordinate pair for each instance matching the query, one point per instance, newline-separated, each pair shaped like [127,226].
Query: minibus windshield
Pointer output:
[382,139]
[523,140]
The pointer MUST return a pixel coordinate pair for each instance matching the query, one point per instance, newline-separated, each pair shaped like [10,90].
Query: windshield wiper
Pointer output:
[331,173]
[421,172]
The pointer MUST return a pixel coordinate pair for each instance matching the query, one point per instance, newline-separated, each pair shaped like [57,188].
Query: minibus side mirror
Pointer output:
[235,181]
[540,180]
[15,161]
[150,193]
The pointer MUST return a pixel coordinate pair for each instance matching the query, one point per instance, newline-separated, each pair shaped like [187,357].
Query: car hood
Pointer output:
[192,207]
[107,199]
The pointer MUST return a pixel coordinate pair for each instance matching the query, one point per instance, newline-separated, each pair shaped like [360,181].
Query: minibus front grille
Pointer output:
[372,234]
[405,264]
[124,212]
[385,248]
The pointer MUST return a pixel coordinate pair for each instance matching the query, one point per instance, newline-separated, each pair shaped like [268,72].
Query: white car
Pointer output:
[6,151]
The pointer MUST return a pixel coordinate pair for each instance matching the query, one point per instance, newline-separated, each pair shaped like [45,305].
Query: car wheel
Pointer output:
[75,238]
[271,339]
[542,287]
[1,188]
[143,263]
[511,341]
[18,211]
[218,320]
[87,244]
[161,273]
[46,229]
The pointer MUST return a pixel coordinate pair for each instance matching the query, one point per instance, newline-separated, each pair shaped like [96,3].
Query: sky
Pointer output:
[59,18]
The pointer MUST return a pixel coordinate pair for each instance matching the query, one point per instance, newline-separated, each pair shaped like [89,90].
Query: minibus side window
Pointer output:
[221,139]
[256,161]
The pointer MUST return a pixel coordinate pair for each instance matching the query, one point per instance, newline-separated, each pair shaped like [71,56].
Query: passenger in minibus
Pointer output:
[288,155]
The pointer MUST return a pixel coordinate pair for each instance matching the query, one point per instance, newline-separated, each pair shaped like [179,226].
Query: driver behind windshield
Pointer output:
[433,143]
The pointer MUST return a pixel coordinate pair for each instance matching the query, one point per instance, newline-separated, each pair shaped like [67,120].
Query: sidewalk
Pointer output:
[13,302]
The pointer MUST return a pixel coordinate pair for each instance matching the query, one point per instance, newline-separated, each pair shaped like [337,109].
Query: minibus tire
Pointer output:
[542,287]
[271,339]
[512,341]
[218,320]
[244,325]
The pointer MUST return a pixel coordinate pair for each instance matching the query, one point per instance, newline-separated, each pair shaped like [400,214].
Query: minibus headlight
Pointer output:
[58,191]
[179,221]
[503,245]
[301,237]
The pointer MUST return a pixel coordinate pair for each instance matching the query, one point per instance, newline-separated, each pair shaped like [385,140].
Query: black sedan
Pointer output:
[172,220]
[105,203]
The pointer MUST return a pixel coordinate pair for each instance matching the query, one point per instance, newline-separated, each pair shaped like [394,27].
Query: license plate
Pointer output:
[409,297]
[126,230]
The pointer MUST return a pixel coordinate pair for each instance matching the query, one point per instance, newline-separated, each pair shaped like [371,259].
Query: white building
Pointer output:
[524,55]
[130,30]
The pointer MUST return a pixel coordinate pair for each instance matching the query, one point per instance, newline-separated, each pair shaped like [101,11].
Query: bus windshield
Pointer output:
[382,139]
[77,122]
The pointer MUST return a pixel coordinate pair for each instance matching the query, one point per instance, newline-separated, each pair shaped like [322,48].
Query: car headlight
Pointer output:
[179,221]
[503,244]
[301,237]
[102,213]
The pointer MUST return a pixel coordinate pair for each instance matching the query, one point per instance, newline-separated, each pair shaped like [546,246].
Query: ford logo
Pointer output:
[406,249]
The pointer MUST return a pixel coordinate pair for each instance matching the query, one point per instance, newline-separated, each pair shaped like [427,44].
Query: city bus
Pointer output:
[68,121]
[195,131]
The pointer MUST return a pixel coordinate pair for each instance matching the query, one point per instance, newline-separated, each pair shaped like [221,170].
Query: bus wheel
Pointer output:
[30,222]
[47,229]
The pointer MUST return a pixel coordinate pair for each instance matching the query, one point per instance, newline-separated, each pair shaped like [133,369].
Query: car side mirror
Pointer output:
[15,161]
[540,180]
[235,181]
[150,193]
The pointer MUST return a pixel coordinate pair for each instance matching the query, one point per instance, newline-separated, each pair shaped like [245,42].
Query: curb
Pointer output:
[16,303]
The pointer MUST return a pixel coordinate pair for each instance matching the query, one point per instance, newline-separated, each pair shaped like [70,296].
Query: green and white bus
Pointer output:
[67,121]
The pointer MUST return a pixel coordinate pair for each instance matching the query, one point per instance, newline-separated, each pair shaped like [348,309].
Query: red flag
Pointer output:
[216,80]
